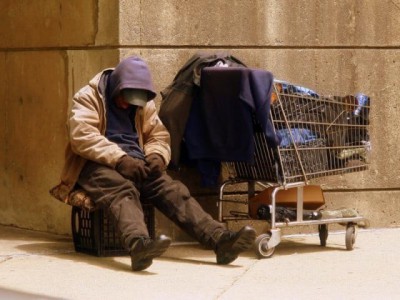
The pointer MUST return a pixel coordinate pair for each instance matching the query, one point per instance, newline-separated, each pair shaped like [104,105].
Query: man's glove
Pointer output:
[132,168]
[156,164]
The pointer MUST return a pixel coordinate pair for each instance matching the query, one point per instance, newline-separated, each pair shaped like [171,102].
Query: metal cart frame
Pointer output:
[343,134]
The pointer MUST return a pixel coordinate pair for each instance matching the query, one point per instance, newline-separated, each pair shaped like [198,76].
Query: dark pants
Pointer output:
[122,199]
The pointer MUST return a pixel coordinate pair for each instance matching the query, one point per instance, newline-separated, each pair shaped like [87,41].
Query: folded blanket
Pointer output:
[295,136]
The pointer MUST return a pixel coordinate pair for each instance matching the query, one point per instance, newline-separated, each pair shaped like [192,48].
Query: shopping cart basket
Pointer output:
[320,136]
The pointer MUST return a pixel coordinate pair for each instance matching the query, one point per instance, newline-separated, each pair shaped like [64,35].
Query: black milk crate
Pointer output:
[94,233]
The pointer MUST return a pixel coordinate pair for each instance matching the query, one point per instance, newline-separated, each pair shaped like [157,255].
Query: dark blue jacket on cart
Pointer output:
[177,97]
[221,122]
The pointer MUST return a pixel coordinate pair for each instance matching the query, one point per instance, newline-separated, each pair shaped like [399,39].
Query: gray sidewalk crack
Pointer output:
[4,258]
[236,279]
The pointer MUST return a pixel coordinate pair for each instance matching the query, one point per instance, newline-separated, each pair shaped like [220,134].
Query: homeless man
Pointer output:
[117,153]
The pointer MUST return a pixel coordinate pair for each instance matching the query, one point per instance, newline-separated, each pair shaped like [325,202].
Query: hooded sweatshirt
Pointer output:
[130,73]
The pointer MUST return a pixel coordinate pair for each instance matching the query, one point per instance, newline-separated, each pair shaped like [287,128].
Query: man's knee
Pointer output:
[105,185]
[176,186]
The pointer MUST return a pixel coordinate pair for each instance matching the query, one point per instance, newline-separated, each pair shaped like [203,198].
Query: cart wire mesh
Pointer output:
[319,136]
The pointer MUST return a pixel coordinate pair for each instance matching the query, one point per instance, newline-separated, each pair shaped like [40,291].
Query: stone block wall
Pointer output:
[49,49]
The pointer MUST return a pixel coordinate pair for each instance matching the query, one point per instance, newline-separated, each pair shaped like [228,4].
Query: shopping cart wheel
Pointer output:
[350,236]
[261,246]
[323,234]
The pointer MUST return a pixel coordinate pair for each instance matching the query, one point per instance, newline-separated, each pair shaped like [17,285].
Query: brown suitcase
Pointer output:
[312,195]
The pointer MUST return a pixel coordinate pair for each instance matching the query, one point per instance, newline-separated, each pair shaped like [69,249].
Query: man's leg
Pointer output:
[173,199]
[118,197]
[121,199]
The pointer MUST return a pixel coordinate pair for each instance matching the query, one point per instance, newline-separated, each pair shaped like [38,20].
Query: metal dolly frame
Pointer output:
[265,243]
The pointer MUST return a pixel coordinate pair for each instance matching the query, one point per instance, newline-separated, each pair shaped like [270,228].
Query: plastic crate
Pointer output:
[94,233]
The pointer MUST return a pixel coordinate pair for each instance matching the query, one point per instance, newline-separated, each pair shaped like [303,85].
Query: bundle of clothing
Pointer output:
[334,127]
[209,110]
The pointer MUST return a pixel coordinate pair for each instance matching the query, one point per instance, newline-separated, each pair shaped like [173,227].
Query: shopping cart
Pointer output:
[320,136]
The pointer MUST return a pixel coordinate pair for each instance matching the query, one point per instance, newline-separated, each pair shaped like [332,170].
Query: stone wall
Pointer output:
[49,49]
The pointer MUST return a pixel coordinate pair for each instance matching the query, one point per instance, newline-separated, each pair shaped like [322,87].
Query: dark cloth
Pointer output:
[121,128]
[122,200]
[221,123]
[177,97]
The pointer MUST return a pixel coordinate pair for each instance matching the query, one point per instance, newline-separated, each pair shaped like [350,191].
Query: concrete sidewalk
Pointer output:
[41,266]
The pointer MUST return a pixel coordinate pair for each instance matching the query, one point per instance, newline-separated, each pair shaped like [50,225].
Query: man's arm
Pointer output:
[156,138]
[85,123]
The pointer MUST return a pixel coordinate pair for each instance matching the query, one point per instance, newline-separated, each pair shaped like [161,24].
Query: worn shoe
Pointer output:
[231,244]
[143,251]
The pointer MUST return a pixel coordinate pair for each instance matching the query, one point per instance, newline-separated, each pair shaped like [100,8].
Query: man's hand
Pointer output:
[132,168]
[156,164]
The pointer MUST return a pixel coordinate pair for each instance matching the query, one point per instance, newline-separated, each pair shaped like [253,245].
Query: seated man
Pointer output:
[118,152]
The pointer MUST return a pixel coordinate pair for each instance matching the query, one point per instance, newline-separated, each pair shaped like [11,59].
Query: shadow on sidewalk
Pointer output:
[62,247]
[66,251]
[188,254]
[303,246]
[9,294]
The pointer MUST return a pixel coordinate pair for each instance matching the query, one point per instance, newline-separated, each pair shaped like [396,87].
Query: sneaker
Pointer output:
[231,244]
[143,251]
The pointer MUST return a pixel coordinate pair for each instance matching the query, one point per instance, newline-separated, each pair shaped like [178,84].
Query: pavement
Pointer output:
[35,265]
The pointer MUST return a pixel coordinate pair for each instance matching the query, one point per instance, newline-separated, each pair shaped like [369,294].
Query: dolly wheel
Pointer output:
[350,236]
[323,234]
[261,246]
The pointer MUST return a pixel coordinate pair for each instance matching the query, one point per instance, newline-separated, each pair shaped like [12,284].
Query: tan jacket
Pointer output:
[86,129]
